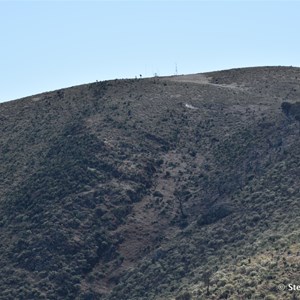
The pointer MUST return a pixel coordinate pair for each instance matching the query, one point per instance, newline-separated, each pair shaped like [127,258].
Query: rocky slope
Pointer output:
[182,187]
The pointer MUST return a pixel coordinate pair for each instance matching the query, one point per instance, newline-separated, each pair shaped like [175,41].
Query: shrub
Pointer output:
[215,213]
[270,297]
[184,296]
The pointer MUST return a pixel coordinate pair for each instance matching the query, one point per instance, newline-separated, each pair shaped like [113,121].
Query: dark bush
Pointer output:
[214,214]
[286,107]
[291,109]
[184,296]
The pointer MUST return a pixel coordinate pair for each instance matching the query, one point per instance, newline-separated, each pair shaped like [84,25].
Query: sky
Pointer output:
[48,45]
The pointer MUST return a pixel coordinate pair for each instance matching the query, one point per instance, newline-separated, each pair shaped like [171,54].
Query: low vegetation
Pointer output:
[119,190]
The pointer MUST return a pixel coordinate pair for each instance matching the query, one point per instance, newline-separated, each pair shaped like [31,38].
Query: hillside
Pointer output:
[180,187]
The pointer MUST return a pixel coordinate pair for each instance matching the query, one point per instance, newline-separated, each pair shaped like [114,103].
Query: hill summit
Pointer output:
[180,187]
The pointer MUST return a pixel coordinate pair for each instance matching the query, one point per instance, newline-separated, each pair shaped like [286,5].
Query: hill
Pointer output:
[180,187]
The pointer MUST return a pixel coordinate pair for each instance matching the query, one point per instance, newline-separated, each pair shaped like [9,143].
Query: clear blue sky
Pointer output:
[47,45]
